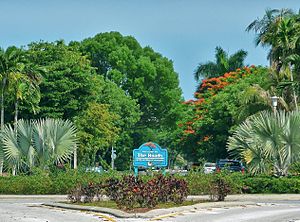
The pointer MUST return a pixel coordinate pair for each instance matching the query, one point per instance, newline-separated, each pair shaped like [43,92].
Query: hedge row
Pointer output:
[199,183]
[63,182]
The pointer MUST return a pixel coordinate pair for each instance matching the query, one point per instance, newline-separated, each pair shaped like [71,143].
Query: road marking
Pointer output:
[105,217]
[166,216]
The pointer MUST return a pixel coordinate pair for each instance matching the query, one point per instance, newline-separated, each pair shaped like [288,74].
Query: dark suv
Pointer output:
[230,165]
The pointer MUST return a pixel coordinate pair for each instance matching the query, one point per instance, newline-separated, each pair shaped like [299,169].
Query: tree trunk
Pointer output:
[1,167]
[2,117]
[294,91]
[16,115]
[2,103]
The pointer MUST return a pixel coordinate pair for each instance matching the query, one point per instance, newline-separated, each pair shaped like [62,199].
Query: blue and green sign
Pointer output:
[150,155]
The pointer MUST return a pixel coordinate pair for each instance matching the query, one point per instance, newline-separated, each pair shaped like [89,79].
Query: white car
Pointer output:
[209,168]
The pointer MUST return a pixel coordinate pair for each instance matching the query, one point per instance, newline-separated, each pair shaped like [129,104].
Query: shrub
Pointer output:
[130,192]
[269,184]
[219,187]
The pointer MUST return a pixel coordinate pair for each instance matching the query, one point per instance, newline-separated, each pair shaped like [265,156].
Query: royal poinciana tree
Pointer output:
[216,110]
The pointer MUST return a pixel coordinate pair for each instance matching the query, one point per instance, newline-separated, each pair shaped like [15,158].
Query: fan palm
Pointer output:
[268,139]
[17,147]
[54,140]
[223,64]
[38,143]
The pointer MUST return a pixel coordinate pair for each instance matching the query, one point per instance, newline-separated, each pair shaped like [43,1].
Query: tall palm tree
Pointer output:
[24,87]
[18,77]
[280,30]
[9,63]
[266,28]
[267,140]
[224,63]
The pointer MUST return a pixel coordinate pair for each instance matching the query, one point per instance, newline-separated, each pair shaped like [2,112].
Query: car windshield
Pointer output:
[209,164]
[229,163]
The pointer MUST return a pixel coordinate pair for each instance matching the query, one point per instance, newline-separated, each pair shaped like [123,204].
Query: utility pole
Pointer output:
[113,157]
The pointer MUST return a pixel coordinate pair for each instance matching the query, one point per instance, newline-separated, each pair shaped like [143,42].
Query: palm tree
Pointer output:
[38,143]
[255,98]
[17,148]
[223,64]
[54,140]
[19,77]
[266,140]
[24,87]
[280,30]
[266,28]
[9,64]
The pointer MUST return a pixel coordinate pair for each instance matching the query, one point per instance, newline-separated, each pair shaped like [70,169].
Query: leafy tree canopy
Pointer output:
[142,73]
[67,85]
[217,109]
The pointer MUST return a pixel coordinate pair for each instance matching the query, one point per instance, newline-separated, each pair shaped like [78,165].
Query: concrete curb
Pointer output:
[114,212]
[151,213]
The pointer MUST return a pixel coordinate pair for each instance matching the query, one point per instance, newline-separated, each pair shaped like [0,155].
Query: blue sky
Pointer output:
[186,31]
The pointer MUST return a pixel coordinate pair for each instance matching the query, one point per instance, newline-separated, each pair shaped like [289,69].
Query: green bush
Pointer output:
[61,182]
[200,183]
[36,184]
[268,184]
[58,182]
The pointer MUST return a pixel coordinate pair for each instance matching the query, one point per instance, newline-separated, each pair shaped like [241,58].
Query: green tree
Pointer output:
[267,140]
[224,63]
[97,132]
[129,112]
[67,85]
[143,74]
[218,109]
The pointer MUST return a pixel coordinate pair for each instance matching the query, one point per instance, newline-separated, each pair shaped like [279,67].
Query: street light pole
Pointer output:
[112,158]
[274,100]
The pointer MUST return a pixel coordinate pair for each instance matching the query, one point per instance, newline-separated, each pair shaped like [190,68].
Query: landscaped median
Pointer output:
[241,200]
[152,213]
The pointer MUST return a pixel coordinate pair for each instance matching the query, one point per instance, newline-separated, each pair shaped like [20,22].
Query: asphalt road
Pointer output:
[30,210]
[26,210]
[264,212]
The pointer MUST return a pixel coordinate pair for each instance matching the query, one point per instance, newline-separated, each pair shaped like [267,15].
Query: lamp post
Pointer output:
[274,100]
[113,157]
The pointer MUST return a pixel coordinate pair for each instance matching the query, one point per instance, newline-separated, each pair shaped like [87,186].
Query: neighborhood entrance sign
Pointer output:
[149,155]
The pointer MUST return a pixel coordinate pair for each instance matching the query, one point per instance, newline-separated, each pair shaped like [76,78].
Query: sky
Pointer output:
[185,31]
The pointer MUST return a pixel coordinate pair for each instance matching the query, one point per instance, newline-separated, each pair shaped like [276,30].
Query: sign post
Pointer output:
[149,155]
